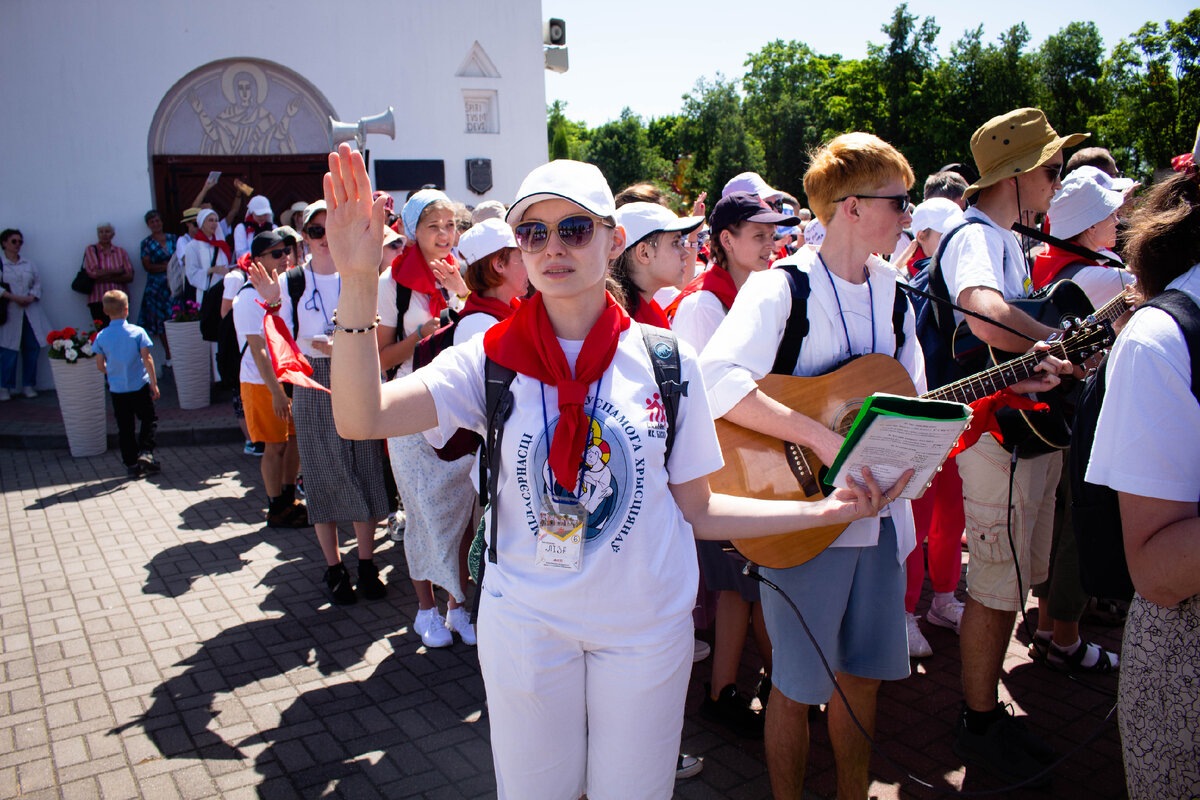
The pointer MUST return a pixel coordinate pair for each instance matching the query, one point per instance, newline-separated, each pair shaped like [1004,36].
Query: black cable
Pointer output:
[1102,729]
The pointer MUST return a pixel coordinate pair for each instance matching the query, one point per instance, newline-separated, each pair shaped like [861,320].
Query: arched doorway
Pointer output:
[247,118]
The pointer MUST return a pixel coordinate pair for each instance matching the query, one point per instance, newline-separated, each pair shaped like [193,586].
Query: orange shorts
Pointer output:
[261,421]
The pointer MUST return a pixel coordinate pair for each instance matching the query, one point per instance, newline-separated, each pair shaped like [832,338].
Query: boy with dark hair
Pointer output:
[123,354]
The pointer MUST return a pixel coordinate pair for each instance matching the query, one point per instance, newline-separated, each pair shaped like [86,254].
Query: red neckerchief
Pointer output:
[651,313]
[917,256]
[220,244]
[983,417]
[253,228]
[1051,261]
[478,304]
[289,363]
[526,343]
[715,280]
[412,270]
[243,263]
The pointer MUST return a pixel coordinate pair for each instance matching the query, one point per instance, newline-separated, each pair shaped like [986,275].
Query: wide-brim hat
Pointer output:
[644,219]
[580,183]
[1081,203]
[189,214]
[1015,143]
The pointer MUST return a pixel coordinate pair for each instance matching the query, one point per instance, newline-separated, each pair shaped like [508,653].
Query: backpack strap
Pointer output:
[796,328]
[668,374]
[899,309]
[296,284]
[496,380]
[403,298]
[1186,314]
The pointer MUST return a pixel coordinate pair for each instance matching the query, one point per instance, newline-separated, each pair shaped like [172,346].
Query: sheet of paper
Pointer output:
[890,445]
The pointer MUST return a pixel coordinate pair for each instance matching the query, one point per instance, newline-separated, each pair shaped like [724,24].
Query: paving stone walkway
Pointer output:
[157,641]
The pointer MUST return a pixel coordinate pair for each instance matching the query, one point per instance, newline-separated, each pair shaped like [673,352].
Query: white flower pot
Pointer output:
[80,389]
[191,360]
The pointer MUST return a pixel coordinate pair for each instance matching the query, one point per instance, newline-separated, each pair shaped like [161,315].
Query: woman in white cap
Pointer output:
[586,648]
[259,218]
[1084,213]
[655,257]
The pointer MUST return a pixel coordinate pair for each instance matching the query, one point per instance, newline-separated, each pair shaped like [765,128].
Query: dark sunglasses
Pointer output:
[278,254]
[575,231]
[899,201]
[315,231]
[1053,170]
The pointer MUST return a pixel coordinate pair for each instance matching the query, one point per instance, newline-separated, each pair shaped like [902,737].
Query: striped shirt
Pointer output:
[104,265]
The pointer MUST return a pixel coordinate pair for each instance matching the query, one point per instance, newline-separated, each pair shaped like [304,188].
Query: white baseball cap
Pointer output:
[643,219]
[259,205]
[582,184]
[938,214]
[1080,204]
[484,238]
[753,183]
[1101,177]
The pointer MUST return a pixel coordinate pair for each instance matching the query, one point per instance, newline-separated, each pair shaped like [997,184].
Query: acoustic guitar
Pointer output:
[757,465]
[1055,306]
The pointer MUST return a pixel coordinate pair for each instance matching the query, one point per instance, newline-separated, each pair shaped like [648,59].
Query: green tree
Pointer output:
[621,149]
[714,133]
[1069,65]
[565,138]
[902,67]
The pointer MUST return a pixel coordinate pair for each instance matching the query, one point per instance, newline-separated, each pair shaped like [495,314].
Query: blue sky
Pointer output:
[647,54]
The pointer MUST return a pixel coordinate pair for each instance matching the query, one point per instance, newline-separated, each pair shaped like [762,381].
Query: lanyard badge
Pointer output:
[560,533]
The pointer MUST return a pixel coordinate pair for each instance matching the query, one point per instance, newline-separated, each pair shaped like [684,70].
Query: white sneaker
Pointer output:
[29,392]
[395,526]
[946,615]
[432,629]
[459,620]
[700,653]
[5,394]
[918,645]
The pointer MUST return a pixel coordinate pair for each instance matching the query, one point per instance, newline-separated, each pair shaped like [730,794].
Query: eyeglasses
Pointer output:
[396,244]
[575,231]
[277,254]
[315,231]
[678,242]
[899,201]
[1054,171]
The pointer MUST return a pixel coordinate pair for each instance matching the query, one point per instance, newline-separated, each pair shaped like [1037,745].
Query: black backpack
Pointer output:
[796,327]
[229,355]
[668,374]
[210,307]
[1095,511]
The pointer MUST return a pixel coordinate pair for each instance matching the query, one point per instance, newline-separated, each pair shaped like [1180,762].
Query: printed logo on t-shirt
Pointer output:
[613,471]
[656,419]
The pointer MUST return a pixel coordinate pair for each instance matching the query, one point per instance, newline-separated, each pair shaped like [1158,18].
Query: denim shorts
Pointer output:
[853,601]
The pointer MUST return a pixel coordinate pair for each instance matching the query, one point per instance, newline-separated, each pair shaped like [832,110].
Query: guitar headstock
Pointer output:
[1081,339]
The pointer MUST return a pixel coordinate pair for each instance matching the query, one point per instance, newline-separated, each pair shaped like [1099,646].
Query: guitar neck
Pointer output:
[990,381]
[1113,309]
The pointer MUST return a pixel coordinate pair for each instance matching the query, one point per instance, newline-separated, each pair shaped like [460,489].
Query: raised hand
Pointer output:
[264,282]
[353,223]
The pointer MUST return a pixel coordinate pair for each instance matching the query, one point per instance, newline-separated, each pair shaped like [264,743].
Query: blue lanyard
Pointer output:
[841,315]
[546,428]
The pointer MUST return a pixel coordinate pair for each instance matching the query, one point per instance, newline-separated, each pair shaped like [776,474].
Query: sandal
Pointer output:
[1106,663]
[1105,612]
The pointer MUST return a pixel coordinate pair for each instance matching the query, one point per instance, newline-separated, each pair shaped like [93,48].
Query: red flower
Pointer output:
[53,337]
[92,338]
[97,323]
[68,332]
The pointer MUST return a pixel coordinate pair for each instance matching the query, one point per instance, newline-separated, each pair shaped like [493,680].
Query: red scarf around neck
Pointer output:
[715,280]
[1051,261]
[253,228]
[478,304]
[218,243]
[412,270]
[651,313]
[526,343]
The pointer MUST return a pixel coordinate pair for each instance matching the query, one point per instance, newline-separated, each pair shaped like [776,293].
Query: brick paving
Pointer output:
[157,640]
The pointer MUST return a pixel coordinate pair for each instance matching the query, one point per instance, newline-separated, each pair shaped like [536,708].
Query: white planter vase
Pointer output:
[80,389]
[191,359]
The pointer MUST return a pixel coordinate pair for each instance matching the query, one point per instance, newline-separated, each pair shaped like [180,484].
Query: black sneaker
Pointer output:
[148,462]
[1005,749]
[733,711]
[136,470]
[289,516]
[369,585]
[337,578]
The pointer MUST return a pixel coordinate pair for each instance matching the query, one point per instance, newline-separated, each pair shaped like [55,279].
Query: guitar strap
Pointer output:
[1070,247]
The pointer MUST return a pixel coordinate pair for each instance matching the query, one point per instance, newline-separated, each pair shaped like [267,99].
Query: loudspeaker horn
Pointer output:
[384,123]
[341,132]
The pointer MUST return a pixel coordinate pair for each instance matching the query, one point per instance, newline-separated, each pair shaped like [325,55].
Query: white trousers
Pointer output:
[568,718]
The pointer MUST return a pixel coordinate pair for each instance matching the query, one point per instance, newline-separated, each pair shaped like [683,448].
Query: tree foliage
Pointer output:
[1142,101]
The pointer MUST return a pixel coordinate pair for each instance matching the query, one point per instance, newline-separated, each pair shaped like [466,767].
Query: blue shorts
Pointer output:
[853,601]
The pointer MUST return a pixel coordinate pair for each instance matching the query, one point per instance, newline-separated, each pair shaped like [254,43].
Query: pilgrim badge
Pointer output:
[479,175]
[560,533]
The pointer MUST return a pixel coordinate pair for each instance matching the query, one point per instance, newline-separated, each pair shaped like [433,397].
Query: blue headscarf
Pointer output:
[411,213]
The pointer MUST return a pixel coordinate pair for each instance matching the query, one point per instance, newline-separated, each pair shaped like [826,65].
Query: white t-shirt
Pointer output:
[248,319]
[416,315]
[233,282]
[1102,284]
[743,349]
[198,258]
[697,317]
[1148,434]
[984,255]
[639,575]
[241,238]
[314,310]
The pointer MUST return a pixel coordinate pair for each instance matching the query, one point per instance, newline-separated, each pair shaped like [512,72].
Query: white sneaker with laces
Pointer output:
[29,392]
[459,620]
[432,629]
[945,615]
[918,645]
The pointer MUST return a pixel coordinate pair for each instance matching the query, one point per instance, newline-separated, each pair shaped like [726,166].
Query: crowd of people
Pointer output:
[564,359]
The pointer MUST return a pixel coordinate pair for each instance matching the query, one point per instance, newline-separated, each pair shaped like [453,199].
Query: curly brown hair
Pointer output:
[1163,240]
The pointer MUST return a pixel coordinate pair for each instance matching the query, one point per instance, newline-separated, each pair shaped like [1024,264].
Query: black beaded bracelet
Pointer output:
[368,329]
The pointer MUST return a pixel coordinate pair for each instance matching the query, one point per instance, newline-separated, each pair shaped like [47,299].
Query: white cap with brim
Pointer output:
[1101,177]
[643,219]
[580,183]
[750,182]
[937,214]
[484,238]
[259,205]
[1080,204]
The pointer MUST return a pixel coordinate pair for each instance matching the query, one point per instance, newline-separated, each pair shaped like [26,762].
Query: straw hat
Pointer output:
[1015,143]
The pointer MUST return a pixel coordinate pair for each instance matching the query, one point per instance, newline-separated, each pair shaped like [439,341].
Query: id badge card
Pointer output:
[560,534]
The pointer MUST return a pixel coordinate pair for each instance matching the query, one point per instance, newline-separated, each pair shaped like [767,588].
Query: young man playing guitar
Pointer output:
[852,594]
[1020,159]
